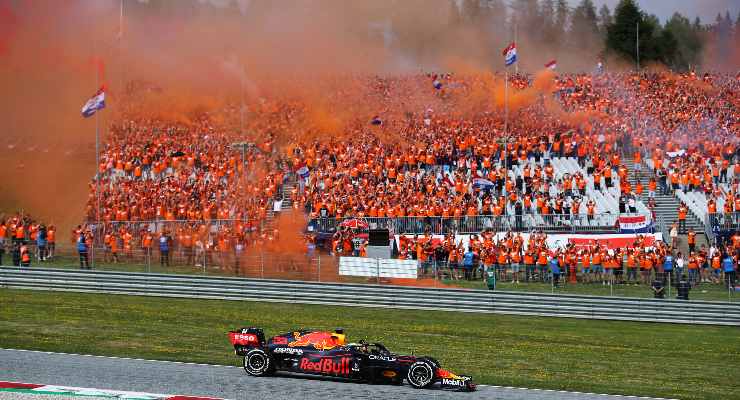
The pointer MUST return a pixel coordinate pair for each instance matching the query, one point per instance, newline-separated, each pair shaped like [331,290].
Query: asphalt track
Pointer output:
[228,382]
[26,396]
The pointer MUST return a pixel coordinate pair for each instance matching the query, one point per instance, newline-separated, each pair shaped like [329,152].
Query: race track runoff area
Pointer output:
[497,350]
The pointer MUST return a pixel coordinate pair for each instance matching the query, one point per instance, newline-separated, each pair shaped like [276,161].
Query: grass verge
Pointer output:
[646,359]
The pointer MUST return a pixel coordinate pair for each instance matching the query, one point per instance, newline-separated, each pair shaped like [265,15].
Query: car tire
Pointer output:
[434,362]
[258,363]
[420,374]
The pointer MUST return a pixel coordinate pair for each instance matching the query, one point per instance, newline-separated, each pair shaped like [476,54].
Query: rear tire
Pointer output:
[258,363]
[420,374]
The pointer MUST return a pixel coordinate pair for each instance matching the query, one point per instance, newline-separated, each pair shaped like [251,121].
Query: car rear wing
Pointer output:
[247,337]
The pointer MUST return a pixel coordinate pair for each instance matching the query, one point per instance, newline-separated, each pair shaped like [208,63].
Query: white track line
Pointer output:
[233,366]
[122,358]
[584,393]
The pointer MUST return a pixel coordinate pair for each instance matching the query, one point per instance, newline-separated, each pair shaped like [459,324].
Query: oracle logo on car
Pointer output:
[326,366]
[384,358]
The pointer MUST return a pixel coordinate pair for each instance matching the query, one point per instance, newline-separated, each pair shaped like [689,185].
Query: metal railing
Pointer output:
[722,225]
[335,294]
[552,223]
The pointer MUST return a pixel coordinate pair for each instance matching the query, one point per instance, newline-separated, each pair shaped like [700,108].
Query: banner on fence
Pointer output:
[378,267]
[611,241]
[634,224]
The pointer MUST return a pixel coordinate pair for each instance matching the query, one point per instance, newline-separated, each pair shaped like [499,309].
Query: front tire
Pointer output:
[258,363]
[420,374]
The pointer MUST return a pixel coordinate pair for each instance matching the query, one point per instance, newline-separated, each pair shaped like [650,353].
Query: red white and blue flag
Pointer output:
[634,224]
[510,54]
[97,102]
[551,65]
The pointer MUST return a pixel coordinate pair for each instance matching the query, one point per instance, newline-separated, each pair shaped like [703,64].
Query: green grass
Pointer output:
[705,291]
[688,362]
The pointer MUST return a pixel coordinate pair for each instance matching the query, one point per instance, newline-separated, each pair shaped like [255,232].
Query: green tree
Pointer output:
[605,19]
[471,12]
[525,13]
[688,43]
[453,17]
[651,43]
[493,15]
[622,34]
[548,28]
[584,31]
[562,16]
[666,48]
[698,27]
[723,37]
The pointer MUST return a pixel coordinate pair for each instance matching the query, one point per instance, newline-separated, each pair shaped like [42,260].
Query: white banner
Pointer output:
[378,267]
[558,241]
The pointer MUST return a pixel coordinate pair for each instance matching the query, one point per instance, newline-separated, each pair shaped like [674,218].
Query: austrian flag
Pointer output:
[510,54]
[551,65]
[97,102]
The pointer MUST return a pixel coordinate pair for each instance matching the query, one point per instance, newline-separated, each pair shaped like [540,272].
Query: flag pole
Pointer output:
[97,161]
[120,21]
[506,133]
[637,46]
[241,105]
[516,31]
[120,48]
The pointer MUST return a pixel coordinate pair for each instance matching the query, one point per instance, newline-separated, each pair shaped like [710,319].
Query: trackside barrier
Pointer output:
[460,300]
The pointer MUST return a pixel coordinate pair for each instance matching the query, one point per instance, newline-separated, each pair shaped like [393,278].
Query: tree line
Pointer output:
[428,33]
[679,43]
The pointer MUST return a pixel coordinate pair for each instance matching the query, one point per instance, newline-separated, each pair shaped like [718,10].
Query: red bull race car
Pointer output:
[327,353]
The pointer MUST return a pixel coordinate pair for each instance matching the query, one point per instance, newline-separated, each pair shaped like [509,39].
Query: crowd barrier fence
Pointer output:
[551,223]
[363,295]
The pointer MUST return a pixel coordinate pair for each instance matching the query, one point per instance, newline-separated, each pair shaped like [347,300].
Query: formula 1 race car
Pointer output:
[326,353]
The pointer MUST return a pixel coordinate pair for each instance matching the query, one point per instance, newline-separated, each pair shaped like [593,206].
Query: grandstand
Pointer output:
[577,156]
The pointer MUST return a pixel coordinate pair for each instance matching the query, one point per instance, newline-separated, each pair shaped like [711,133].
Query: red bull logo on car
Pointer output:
[326,366]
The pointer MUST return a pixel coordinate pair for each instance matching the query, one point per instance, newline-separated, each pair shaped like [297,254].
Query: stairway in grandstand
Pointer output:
[287,190]
[667,205]
[286,206]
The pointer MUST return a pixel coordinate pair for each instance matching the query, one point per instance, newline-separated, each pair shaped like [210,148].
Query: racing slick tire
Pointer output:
[434,362]
[258,363]
[420,374]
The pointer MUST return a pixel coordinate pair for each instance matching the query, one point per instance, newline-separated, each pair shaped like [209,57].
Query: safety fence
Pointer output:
[478,301]
[551,223]
[262,263]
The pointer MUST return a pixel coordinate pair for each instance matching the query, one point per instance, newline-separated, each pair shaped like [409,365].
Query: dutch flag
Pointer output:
[551,65]
[510,54]
[97,102]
